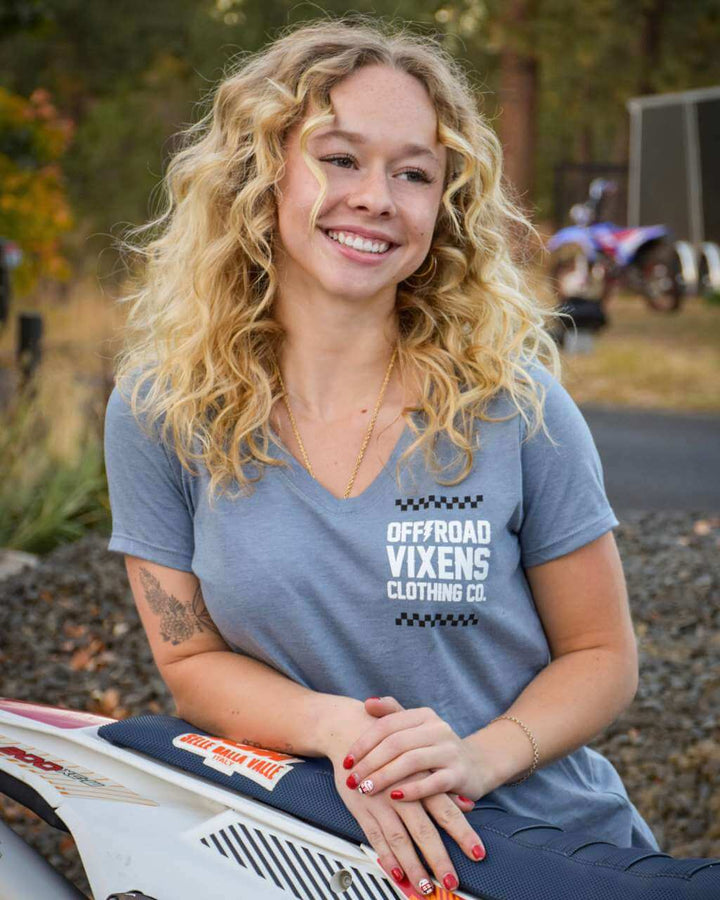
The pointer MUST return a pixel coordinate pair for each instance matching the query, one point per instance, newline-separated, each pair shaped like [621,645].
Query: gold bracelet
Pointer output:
[536,754]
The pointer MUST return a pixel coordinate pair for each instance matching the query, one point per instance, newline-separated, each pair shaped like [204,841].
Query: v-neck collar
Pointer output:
[302,482]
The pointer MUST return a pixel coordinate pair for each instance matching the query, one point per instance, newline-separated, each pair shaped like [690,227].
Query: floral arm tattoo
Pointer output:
[202,616]
[179,621]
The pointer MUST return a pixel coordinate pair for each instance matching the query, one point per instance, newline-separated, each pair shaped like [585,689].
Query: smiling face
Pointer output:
[384,168]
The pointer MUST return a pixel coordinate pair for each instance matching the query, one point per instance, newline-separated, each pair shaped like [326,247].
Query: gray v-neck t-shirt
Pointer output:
[417,591]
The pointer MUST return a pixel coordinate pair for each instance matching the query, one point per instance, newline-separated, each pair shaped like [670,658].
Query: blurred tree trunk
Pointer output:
[653,15]
[518,94]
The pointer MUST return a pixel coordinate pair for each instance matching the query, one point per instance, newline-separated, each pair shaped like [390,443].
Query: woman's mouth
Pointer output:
[353,246]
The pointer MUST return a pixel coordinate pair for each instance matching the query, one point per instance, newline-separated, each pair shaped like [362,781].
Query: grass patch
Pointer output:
[652,360]
[80,328]
[53,488]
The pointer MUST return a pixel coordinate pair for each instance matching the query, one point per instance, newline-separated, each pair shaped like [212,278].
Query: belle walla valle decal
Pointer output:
[264,767]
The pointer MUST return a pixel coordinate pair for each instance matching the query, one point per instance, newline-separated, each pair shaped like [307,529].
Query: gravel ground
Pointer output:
[72,638]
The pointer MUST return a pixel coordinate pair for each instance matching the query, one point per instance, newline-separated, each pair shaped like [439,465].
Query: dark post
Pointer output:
[4,285]
[30,329]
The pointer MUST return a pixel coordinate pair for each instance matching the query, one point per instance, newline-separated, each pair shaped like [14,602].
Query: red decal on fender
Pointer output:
[37,761]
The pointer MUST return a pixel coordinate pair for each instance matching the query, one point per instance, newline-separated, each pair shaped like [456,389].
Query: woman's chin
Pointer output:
[359,289]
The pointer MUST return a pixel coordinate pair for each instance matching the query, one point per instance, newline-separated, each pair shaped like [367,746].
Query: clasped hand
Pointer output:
[417,766]
[403,743]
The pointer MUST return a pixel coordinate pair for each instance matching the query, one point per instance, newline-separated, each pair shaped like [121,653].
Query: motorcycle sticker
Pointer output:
[67,778]
[409,890]
[264,767]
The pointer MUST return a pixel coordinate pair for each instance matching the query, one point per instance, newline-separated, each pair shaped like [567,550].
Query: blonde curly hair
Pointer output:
[201,344]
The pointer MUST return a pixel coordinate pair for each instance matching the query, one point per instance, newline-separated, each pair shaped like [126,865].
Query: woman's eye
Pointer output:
[416,176]
[339,160]
[422,176]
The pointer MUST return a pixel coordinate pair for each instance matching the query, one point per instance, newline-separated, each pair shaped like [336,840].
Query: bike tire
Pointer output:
[661,280]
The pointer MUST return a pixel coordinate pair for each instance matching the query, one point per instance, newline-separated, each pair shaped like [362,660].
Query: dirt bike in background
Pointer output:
[592,259]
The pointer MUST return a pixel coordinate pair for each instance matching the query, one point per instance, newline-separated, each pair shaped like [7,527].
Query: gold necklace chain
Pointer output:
[368,433]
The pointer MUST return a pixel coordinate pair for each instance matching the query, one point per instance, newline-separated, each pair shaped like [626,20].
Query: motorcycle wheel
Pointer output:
[661,281]
[709,271]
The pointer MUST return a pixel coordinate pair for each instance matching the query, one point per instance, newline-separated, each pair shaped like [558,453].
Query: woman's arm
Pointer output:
[230,694]
[582,602]
[217,689]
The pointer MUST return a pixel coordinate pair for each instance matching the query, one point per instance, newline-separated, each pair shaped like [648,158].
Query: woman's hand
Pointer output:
[403,743]
[395,830]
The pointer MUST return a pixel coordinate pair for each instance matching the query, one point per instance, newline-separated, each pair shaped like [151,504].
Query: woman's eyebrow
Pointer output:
[355,138]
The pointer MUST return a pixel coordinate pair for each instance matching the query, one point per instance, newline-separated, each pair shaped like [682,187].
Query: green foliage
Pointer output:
[33,207]
[45,500]
[117,158]
[131,73]
[87,50]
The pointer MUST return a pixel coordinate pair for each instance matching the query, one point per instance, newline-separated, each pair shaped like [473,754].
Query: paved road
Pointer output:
[658,461]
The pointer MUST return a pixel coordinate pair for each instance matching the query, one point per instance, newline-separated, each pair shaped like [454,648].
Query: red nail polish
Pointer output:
[460,797]
[478,851]
[397,795]
[450,882]
[397,874]
[348,762]
[371,698]
[352,781]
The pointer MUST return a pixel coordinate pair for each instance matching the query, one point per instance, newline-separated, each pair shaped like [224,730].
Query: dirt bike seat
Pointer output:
[527,858]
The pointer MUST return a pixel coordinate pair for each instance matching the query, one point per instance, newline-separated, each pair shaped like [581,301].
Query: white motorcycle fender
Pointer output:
[142,826]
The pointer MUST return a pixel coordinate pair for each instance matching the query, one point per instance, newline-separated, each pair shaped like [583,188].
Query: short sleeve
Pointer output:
[151,517]
[564,501]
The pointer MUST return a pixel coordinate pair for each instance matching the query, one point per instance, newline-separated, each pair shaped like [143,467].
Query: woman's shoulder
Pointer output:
[542,411]
[555,401]
[536,372]
[134,384]
[533,389]
[128,414]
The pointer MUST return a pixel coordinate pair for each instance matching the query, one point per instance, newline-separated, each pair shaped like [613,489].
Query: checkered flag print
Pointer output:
[433,502]
[430,620]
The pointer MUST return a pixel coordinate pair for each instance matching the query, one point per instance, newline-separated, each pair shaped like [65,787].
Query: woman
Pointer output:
[339,469]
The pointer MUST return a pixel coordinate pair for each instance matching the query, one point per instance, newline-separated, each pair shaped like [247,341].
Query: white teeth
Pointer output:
[358,243]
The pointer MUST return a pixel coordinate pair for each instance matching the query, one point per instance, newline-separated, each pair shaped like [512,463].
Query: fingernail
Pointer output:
[478,851]
[397,795]
[397,874]
[460,797]
[372,698]
[450,881]
[352,781]
[366,787]
[348,762]
[426,887]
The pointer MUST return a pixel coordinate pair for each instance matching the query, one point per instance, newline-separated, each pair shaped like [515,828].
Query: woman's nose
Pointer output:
[373,194]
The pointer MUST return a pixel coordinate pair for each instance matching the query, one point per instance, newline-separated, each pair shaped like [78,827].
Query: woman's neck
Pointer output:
[334,358]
